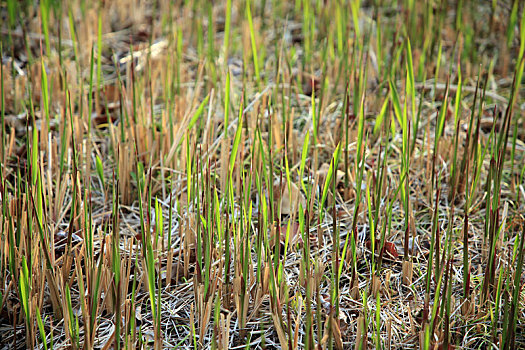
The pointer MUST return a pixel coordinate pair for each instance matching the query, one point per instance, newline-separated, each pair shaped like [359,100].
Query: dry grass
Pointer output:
[262,175]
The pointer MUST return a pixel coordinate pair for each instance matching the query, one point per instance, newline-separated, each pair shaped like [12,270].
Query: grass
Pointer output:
[275,174]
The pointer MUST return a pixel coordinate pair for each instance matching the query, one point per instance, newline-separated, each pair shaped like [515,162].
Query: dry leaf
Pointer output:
[280,331]
[290,196]
[294,236]
[323,172]
[389,249]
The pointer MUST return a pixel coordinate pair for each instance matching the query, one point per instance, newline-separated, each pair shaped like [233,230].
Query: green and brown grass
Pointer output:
[262,174]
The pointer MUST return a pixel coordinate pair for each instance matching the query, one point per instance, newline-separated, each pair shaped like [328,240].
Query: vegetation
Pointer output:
[262,174]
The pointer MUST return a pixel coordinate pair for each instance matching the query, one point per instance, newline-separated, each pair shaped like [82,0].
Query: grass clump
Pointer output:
[262,174]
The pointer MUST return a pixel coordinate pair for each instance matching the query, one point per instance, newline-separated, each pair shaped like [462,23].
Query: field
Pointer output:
[265,174]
